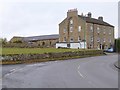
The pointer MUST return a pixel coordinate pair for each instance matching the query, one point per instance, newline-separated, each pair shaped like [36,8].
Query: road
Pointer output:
[92,72]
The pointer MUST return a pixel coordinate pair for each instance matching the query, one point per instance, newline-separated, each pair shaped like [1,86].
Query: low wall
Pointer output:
[60,55]
[80,45]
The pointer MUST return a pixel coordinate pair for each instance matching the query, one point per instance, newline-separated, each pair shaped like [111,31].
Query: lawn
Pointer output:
[6,51]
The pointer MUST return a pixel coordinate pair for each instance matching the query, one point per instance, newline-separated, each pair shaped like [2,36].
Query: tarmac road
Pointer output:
[92,72]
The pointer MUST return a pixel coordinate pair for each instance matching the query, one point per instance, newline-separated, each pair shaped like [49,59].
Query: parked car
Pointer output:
[110,50]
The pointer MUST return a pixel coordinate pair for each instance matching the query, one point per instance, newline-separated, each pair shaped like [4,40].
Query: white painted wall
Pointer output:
[75,45]
[61,45]
[83,46]
[72,45]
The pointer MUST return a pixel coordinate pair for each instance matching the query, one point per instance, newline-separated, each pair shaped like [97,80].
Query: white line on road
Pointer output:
[13,69]
[7,74]
[40,64]
[84,77]
[79,67]
[80,74]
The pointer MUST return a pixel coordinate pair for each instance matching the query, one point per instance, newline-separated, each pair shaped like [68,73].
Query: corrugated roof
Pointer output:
[42,37]
[94,21]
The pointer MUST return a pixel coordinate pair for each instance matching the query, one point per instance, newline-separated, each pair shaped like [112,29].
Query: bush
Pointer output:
[18,41]
[117,45]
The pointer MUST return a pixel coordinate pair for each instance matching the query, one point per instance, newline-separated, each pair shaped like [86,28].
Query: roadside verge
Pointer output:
[33,58]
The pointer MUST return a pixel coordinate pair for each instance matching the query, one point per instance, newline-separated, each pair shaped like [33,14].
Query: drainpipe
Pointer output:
[84,31]
[69,31]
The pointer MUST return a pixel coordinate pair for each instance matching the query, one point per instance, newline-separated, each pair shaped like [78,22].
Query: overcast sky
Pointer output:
[119,19]
[32,18]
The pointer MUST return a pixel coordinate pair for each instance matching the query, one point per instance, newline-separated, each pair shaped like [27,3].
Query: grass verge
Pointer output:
[7,51]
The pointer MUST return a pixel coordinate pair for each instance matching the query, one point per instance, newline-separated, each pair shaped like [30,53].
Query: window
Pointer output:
[98,39]
[104,31]
[98,30]
[38,44]
[71,21]
[79,39]
[104,40]
[91,39]
[106,46]
[68,45]
[110,41]
[91,45]
[91,28]
[43,43]
[64,39]
[110,32]
[64,30]
[79,28]
[50,42]
[71,29]
[71,39]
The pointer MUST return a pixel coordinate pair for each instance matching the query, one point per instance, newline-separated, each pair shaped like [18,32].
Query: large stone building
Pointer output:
[75,31]
[93,33]
[37,41]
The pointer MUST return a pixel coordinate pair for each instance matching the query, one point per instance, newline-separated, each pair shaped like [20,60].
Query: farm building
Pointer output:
[40,41]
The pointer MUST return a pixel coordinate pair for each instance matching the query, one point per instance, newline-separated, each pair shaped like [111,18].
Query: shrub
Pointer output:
[18,41]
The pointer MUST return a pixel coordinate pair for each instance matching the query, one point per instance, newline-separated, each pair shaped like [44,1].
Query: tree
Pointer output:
[117,45]
[17,41]
[3,40]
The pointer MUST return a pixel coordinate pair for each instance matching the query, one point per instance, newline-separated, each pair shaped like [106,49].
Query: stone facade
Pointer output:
[16,39]
[95,32]
[47,43]
[36,41]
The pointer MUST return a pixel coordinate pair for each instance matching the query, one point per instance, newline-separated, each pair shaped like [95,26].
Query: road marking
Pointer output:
[32,65]
[79,71]
[7,74]
[80,74]
[41,64]
[94,86]
[13,70]
[79,67]
[20,69]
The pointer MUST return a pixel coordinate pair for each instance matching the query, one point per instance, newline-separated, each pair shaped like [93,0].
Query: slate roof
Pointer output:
[94,21]
[42,37]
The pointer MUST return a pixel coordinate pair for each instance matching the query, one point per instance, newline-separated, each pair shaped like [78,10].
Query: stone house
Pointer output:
[96,33]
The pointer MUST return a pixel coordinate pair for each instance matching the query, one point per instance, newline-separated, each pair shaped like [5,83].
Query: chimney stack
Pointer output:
[72,12]
[89,14]
[100,18]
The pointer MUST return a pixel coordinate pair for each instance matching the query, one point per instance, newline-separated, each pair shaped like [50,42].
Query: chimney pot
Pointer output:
[89,14]
[100,18]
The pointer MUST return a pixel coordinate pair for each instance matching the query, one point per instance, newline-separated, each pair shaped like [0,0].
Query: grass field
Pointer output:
[6,51]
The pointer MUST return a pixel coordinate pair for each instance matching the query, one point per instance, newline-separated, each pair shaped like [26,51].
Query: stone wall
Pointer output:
[22,57]
[38,44]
